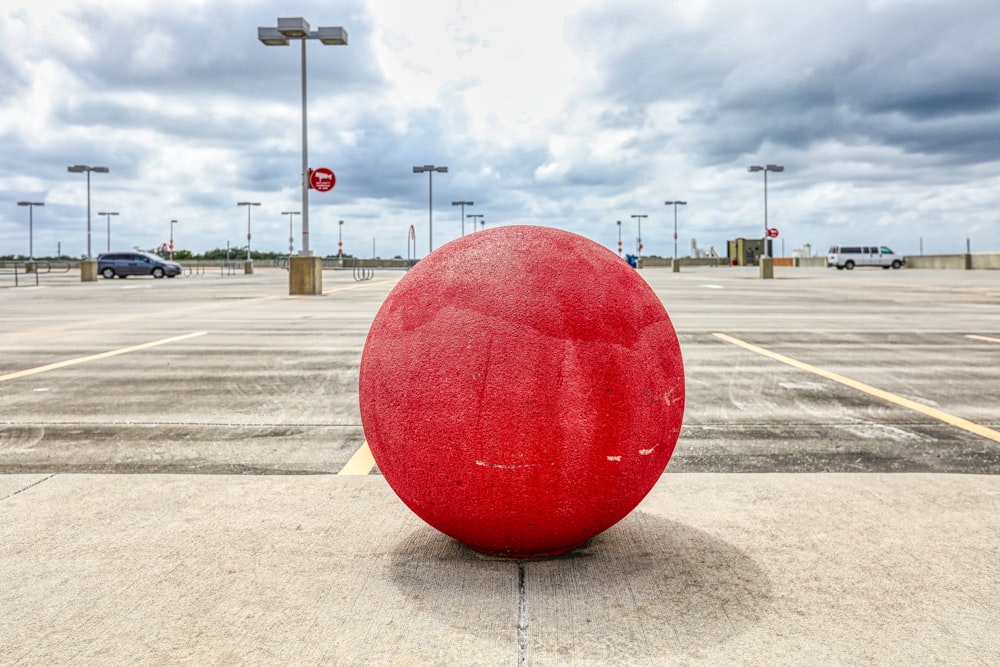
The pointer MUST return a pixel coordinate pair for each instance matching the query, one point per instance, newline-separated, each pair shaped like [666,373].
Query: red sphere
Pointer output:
[522,390]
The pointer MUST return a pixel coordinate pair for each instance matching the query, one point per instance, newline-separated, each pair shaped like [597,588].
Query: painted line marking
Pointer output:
[361,463]
[986,338]
[361,284]
[926,410]
[96,357]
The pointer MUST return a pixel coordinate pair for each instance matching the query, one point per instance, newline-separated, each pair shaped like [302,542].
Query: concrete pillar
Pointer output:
[248,267]
[88,271]
[968,262]
[766,267]
[29,267]
[305,275]
[676,265]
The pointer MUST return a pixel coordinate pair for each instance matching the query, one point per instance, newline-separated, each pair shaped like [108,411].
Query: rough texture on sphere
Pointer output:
[522,390]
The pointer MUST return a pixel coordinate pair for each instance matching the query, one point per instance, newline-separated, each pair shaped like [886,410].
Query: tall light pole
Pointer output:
[619,238]
[298,28]
[340,240]
[291,238]
[675,204]
[430,169]
[771,167]
[83,168]
[109,214]
[248,204]
[31,225]
[463,204]
[639,217]
[172,223]
[475,217]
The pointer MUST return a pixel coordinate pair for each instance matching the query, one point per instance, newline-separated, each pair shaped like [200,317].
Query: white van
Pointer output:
[847,257]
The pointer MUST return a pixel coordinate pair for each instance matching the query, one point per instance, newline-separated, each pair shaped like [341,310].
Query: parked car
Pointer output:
[847,257]
[125,264]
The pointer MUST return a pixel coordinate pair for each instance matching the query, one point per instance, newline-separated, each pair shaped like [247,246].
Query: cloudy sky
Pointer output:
[569,113]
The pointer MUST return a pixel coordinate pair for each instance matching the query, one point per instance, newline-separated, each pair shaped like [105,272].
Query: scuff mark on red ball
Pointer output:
[522,390]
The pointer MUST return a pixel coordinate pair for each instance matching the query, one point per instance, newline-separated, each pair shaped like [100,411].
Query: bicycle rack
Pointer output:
[362,273]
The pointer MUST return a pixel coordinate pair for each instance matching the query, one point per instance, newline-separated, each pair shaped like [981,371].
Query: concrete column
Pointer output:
[248,268]
[88,271]
[766,267]
[676,265]
[305,275]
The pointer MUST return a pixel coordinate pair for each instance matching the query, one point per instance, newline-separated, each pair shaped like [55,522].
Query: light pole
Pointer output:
[248,204]
[109,214]
[475,217]
[771,167]
[298,28]
[675,204]
[83,168]
[463,204]
[172,223]
[340,241]
[430,169]
[482,223]
[291,238]
[31,225]
[639,217]
[619,238]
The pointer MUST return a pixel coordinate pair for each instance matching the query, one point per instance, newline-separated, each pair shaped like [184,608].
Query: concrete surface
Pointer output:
[821,557]
[710,569]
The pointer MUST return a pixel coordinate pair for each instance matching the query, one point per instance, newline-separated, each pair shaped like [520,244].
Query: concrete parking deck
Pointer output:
[803,519]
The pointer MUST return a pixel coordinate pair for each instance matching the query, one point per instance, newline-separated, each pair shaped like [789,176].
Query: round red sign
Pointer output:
[772,232]
[322,179]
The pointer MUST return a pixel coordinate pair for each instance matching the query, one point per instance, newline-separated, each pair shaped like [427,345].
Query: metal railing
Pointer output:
[22,270]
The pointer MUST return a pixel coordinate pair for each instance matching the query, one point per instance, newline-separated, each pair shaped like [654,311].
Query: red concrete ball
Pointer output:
[522,390]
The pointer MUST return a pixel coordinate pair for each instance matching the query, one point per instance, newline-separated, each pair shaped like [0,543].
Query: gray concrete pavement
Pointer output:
[838,563]
[710,569]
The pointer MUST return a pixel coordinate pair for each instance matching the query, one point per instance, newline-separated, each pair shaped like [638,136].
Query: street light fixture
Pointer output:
[430,169]
[31,225]
[639,217]
[340,240]
[109,214]
[463,204]
[771,167]
[291,238]
[248,204]
[619,238]
[83,168]
[172,223]
[298,28]
[675,204]
[475,217]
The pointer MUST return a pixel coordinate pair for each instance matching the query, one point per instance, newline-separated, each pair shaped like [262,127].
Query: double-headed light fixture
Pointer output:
[430,169]
[31,224]
[771,167]
[298,28]
[675,204]
[80,169]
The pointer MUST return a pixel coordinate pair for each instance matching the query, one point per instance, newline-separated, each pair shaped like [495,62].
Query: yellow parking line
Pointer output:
[986,338]
[361,463]
[949,419]
[95,357]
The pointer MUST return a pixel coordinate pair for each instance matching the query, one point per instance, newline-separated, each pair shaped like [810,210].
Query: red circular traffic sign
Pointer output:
[322,179]
[772,232]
